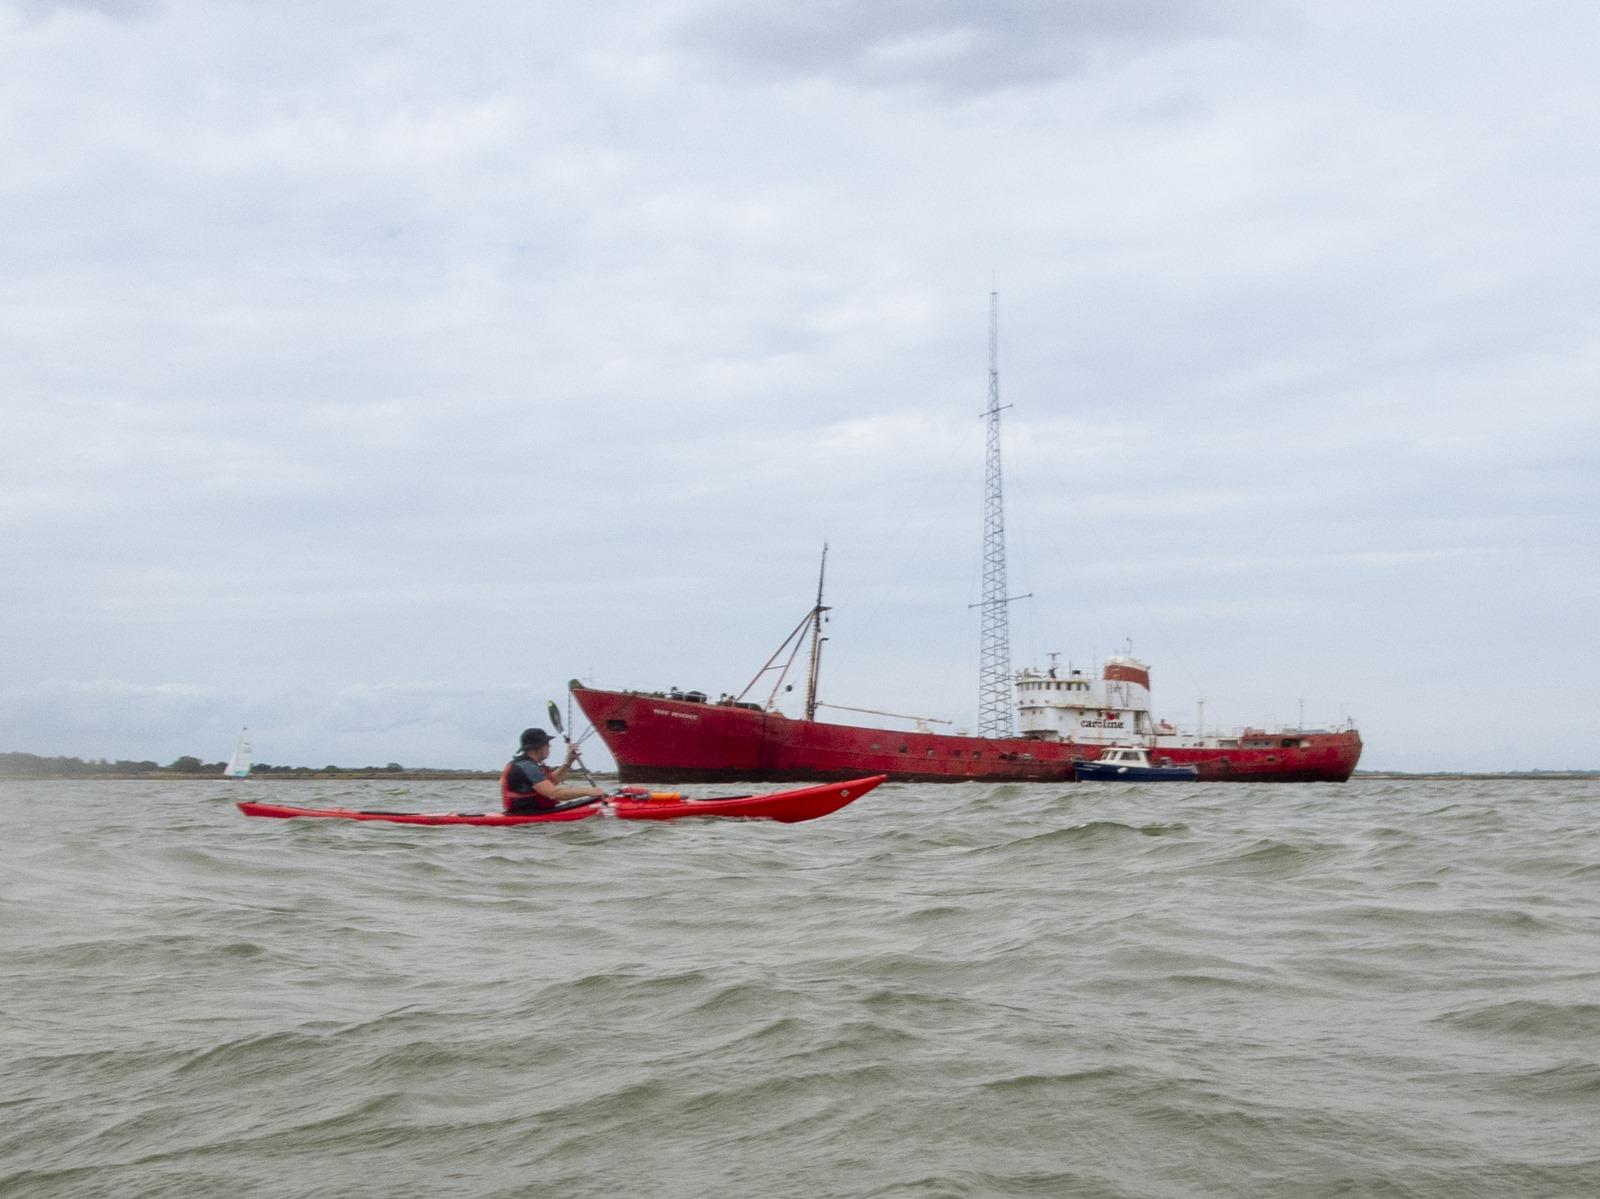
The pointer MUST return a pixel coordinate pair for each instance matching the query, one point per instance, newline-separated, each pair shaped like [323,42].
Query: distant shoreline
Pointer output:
[169,776]
[276,776]
[1528,776]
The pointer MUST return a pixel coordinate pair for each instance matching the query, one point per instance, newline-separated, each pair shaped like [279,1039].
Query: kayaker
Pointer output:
[527,785]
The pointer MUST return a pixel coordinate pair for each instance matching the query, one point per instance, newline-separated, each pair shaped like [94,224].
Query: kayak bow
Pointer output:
[786,807]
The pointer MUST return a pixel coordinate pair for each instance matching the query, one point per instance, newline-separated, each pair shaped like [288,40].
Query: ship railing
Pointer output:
[1210,731]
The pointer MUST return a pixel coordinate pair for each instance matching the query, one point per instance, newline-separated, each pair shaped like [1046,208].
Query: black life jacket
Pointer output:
[516,788]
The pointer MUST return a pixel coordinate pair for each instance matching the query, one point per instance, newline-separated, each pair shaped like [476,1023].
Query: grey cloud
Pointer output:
[944,46]
[125,10]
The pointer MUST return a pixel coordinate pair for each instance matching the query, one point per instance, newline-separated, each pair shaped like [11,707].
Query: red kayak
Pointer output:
[787,807]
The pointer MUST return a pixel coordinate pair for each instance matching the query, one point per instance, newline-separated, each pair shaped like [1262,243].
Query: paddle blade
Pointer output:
[555,718]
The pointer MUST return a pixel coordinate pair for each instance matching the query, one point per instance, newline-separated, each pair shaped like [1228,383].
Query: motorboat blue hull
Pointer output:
[1113,772]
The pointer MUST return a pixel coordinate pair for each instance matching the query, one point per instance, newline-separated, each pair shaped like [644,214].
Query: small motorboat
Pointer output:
[1131,764]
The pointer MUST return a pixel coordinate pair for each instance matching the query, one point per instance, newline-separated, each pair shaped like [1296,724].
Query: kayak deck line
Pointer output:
[785,807]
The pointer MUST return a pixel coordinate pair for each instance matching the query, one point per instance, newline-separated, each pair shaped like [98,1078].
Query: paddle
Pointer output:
[578,803]
[555,719]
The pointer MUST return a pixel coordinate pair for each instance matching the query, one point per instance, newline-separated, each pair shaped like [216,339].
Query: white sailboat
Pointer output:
[238,766]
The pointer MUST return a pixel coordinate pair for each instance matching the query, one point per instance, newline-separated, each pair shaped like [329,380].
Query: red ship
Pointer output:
[1065,717]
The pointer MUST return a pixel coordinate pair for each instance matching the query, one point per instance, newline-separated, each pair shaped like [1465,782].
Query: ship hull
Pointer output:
[659,739]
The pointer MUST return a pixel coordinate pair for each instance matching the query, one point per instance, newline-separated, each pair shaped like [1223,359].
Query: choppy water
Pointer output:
[1380,988]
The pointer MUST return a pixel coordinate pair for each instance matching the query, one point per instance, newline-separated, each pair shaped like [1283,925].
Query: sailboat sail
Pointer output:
[238,766]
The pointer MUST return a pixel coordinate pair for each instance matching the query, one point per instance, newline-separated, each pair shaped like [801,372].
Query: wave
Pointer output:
[1529,1018]
[1570,1082]
[1092,833]
[1271,858]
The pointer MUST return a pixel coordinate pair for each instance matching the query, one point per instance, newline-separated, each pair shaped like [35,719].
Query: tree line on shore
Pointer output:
[19,765]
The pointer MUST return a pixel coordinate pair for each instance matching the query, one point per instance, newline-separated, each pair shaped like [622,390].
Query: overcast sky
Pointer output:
[367,370]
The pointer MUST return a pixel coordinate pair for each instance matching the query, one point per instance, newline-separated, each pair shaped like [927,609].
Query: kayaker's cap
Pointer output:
[532,737]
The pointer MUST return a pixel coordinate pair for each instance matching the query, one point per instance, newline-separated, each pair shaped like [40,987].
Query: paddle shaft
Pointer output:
[555,719]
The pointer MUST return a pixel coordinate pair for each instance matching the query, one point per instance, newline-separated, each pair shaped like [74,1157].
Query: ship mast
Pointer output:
[816,640]
[994,653]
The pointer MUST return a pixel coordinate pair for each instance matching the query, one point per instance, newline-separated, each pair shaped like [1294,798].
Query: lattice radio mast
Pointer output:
[994,652]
